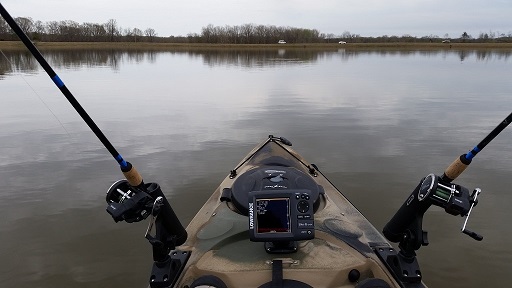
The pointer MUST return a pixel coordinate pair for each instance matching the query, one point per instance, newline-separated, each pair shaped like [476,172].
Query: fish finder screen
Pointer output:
[273,215]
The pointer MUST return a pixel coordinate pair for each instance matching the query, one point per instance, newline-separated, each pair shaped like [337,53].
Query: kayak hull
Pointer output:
[344,243]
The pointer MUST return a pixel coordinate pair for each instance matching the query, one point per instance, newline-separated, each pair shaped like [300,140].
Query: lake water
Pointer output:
[375,122]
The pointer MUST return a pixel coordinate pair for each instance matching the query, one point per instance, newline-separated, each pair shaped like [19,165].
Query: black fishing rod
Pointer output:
[462,162]
[131,174]
[406,226]
[125,204]
[442,192]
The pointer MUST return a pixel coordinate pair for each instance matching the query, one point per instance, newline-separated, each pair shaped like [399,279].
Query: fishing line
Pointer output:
[131,174]
[35,92]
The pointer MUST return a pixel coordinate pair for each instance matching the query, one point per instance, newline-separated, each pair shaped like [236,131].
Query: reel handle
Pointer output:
[473,201]
[473,235]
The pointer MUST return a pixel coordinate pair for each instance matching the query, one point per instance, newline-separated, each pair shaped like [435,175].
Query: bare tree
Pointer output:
[465,36]
[329,37]
[483,36]
[39,27]
[87,30]
[70,30]
[207,33]
[247,32]
[150,33]
[98,32]
[39,31]
[26,24]
[233,34]
[4,28]
[52,28]
[193,38]
[222,35]
[112,29]
[260,34]
[346,35]
[273,34]
[137,33]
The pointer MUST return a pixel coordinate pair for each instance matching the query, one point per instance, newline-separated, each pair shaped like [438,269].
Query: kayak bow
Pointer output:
[277,221]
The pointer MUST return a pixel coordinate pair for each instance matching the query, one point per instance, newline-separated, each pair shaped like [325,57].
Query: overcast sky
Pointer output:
[363,17]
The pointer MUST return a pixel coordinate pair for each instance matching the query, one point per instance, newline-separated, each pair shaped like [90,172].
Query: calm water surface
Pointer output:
[375,122]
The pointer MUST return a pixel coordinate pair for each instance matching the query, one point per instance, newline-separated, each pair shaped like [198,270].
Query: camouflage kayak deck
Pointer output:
[219,244]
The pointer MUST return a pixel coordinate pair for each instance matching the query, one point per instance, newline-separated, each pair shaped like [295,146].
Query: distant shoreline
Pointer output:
[15,45]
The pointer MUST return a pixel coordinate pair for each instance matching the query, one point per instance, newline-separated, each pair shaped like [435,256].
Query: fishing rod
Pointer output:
[129,200]
[442,192]
[129,171]
[461,163]
[405,227]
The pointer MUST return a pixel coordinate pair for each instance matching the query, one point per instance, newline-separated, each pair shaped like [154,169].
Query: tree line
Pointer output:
[261,34]
[255,34]
[71,31]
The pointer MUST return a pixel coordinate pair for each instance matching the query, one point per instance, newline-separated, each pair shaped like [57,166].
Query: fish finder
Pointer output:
[280,203]
[281,215]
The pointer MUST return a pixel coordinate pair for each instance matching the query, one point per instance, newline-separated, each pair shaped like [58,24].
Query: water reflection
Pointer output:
[22,60]
[259,58]
[17,61]
[374,125]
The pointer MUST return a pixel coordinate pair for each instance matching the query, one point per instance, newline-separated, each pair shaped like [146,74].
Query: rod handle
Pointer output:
[132,175]
[456,168]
